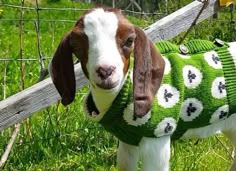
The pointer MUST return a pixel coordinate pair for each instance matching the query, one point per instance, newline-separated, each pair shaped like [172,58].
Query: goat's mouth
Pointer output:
[107,85]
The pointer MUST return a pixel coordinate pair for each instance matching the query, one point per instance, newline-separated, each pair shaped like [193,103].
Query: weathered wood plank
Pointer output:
[23,104]
[179,21]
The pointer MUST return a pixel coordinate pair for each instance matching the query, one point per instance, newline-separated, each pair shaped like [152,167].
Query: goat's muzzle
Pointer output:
[105,77]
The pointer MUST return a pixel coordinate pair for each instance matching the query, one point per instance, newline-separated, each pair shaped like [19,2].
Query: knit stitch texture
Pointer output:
[198,89]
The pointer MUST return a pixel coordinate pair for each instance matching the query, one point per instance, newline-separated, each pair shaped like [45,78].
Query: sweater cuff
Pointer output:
[229,70]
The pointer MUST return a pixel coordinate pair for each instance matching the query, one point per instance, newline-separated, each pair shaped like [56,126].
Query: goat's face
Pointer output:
[103,40]
[110,42]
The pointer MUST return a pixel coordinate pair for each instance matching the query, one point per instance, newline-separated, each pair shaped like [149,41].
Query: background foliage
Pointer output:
[62,138]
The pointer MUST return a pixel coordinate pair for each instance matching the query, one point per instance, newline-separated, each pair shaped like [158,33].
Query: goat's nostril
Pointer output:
[110,70]
[101,73]
[105,72]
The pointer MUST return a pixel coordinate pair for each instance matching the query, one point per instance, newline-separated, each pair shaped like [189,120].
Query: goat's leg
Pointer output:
[127,157]
[231,135]
[155,153]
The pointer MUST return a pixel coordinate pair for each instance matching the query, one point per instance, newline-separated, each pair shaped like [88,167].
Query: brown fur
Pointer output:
[62,71]
[148,64]
[148,73]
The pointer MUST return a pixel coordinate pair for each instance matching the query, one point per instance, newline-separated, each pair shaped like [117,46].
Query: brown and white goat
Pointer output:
[103,40]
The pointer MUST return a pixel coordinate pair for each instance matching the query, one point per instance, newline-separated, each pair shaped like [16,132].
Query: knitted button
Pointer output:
[218,88]
[191,109]
[192,76]
[167,96]
[183,49]
[219,42]
[220,114]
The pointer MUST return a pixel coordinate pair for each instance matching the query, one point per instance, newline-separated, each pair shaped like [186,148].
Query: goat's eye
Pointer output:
[129,42]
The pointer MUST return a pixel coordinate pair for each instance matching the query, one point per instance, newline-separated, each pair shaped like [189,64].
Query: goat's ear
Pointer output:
[148,73]
[62,71]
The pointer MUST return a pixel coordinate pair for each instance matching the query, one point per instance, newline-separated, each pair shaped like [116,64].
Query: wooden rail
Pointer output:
[179,21]
[23,104]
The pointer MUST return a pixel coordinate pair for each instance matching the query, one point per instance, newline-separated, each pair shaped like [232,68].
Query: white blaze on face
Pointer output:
[101,26]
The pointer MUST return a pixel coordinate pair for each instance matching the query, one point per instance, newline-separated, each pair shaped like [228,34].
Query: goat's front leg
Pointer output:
[155,153]
[127,157]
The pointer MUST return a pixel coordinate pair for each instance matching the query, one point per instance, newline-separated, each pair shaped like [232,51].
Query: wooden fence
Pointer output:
[25,103]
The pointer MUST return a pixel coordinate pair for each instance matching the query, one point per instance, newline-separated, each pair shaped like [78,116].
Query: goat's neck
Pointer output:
[103,99]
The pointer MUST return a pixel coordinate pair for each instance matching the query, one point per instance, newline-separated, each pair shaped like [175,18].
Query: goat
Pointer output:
[154,98]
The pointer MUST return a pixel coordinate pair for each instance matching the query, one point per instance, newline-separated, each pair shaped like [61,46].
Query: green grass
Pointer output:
[63,138]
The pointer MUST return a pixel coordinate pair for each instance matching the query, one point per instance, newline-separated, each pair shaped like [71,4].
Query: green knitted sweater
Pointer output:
[198,89]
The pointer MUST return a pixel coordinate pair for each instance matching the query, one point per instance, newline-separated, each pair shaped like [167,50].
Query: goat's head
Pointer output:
[103,40]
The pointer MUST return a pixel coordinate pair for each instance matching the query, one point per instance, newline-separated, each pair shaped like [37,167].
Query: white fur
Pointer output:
[127,157]
[225,125]
[154,154]
[101,28]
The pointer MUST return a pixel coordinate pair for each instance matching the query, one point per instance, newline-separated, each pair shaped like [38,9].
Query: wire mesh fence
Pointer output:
[36,10]
[30,32]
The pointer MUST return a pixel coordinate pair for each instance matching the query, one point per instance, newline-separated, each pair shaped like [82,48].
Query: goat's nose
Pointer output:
[105,71]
